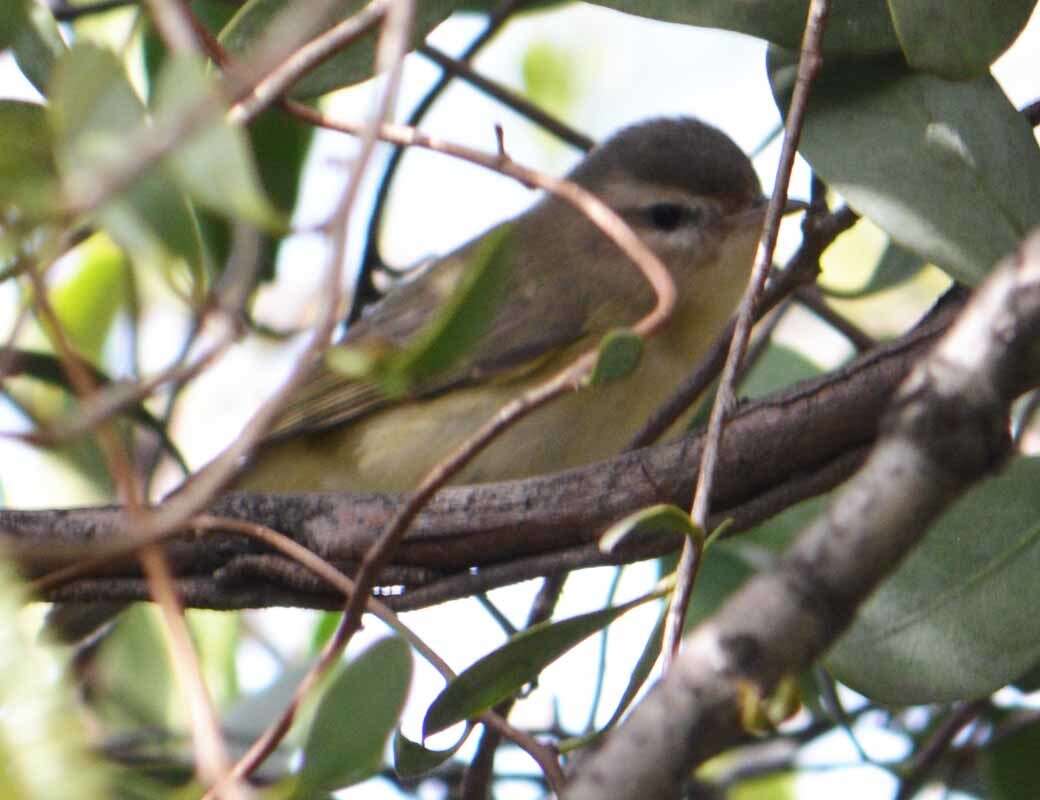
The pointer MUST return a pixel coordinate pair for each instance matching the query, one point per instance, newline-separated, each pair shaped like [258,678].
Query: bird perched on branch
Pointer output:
[552,285]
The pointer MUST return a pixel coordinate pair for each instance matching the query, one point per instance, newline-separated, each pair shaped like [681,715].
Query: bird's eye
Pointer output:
[669,216]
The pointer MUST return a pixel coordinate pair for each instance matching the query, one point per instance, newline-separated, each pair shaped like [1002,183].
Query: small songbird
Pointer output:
[692,196]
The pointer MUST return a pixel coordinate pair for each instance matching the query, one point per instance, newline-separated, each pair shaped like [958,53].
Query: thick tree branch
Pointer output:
[946,429]
[777,452]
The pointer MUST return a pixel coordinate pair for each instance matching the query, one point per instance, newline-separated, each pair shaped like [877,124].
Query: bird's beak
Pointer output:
[756,212]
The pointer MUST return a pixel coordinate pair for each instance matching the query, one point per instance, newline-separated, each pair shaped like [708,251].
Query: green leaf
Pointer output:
[411,759]
[465,317]
[641,671]
[895,266]
[356,714]
[324,626]
[28,174]
[723,572]
[215,165]
[1009,765]
[87,301]
[29,29]
[957,39]
[779,531]
[660,519]
[134,671]
[948,169]
[213,15]
[860,28]
[619,354]
[551,77]
[250,715]
[93,107]
[958,618]
[48,369]
[217,636]
[503,672]
[43,745]
[353,64]
[778,368]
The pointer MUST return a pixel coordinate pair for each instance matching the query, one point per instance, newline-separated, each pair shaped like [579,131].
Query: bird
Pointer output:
[685,188]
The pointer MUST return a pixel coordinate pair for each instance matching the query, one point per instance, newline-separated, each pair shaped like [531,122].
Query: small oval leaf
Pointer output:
[356,714]
[619,354]
[93,107]
[353,64]
[657,520]
[214,166]
[505,671]
[28,174]
[463,319]
[411,759]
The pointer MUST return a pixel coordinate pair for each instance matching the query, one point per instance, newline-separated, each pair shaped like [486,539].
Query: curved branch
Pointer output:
[777,452]
[946,429]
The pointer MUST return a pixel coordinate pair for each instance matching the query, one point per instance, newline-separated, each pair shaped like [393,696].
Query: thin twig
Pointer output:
[397,20]
[364,288]
[507,97]
[172,20]
[808,66]
[212,757]
[812,299]
[925,759]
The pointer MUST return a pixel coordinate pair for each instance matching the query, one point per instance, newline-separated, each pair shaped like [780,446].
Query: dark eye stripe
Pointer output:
[670,216]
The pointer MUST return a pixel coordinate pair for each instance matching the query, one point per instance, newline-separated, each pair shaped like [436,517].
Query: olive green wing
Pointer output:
[536,319]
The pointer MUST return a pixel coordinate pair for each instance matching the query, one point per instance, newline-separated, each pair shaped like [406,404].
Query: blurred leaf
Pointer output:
[87,301]
[777,532]
[324,627]
[132,686]
[213,16]
[351,65]
[503,672]
[455,328]
[411,759]
[958,618]
[357,713]
[620,351]
[896,265]
[484,6]
[29,28]
[464,317]
[779,786]
[214,166]
[1010,767]
[641,671]
[28,175]
[778,368]
[1029,681]
[550,77]
[660,519]
[957,39]
[43,746]
[281,143]
[92,109]
[251,714]
[217,635]
[949,170]
[860,28]
[722,573]
[48,369]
